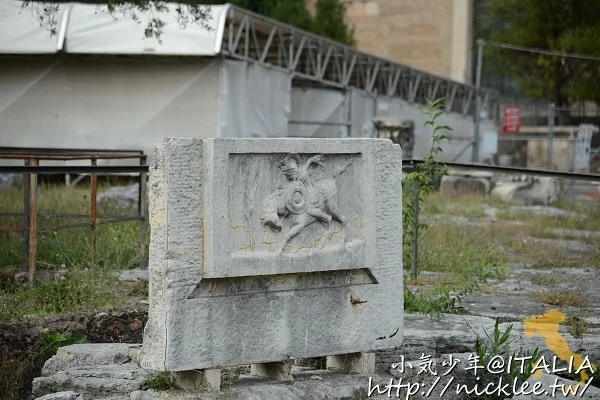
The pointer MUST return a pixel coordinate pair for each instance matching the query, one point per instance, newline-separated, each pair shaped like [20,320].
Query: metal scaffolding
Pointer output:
[253,38]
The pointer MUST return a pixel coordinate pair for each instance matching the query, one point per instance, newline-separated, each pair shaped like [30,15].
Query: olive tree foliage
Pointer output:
[566,26]
[328,19]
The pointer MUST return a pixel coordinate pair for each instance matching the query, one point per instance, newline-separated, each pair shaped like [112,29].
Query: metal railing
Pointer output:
[32,168]
[538,113]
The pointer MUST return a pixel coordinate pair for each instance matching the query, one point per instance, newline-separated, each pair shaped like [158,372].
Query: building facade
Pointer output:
[430,35]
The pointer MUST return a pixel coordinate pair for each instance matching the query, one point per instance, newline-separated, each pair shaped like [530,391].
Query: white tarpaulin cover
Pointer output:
[255,100]
[106,104]
[317,105]
[91,29]
[20,31]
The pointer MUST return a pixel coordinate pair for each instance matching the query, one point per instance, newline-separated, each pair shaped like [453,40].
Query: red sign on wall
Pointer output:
[512,119]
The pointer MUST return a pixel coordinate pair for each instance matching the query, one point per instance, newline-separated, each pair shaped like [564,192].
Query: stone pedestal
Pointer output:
[279,371]
[359,363]
[198,381]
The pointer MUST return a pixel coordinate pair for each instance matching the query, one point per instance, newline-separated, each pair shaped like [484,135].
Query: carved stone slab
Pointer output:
[268,249]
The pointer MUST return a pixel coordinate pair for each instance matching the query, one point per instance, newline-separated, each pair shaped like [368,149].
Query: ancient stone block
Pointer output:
[263,250]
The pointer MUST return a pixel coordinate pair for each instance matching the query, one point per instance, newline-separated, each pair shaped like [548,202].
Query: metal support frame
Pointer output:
[32,226]
[32,168]
[415,243]
[142,211]
[349,100]
[478,101]
[254,38]
[93,198]
[550,142]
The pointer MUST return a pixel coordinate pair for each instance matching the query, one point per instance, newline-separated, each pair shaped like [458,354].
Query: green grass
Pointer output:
[467,205]
[463,256]
[81,290]
[544,279]
[589,221]
[88,285]
[160,380]
[463,253]
[505,234]
[563,299]
[578,326]
[117,245]
[466,255]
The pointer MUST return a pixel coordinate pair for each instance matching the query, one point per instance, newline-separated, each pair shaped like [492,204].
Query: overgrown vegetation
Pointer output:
[18,370]
[563,298]
[116,245]
[460,254]
[461,258]
[83,285]
[159,380]
[495,349]
[52,341]
[578,326]
[433,302]
[544,279]
[418,184]
[80,290]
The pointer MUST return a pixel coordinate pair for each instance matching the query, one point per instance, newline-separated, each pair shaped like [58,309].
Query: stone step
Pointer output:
[93,370]
[99,382]
[90,354]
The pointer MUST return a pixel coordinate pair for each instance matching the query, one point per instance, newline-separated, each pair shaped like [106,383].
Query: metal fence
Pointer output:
[548,136]
[538,113]
[32,157]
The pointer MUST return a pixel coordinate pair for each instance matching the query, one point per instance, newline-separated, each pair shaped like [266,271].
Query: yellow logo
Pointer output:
[546,325]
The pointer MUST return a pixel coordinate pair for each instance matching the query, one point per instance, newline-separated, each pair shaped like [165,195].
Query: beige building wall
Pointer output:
[430,35]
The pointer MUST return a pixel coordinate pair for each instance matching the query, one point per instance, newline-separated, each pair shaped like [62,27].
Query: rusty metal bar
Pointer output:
[35,150]
[99,218]
[32,245]
[75,169]
[415,244]
[115,221]
[143,195]
[411,164]
[70,157]
[64,226]
[93,192]
[87,224]
[25,235]
[84,225]
[40,215]
[13,229]
[70,226]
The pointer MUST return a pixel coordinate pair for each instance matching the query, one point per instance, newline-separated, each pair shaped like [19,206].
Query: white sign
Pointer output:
[583,145]
[489,143]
